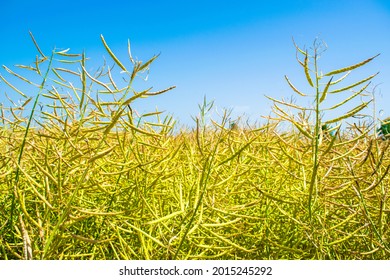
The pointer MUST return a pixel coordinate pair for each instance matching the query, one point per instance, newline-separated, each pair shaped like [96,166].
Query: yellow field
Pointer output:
[82,179]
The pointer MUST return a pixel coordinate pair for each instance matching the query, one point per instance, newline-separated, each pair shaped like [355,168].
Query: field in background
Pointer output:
[85,177]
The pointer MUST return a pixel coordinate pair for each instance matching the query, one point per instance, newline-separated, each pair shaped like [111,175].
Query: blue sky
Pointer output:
[232,52]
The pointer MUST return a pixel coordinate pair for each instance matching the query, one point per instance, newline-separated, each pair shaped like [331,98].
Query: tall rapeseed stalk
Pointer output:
[311,128]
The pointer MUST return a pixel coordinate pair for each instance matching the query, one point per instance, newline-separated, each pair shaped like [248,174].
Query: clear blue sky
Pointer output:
[234,52]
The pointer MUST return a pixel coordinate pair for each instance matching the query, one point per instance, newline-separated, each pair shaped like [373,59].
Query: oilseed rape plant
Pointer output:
[84,176]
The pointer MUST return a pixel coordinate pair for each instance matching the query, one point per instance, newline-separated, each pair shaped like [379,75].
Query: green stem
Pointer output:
[313,180]
[41,87]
